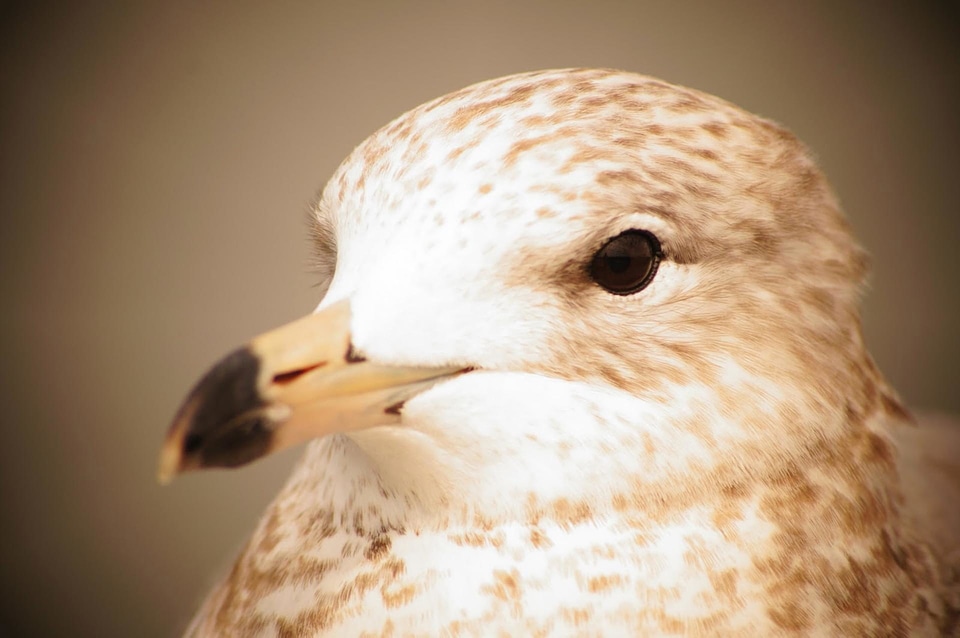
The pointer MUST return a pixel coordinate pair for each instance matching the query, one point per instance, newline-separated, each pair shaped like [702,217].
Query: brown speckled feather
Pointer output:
[711,455]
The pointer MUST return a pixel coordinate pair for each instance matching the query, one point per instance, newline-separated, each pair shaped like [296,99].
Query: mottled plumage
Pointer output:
[711,455]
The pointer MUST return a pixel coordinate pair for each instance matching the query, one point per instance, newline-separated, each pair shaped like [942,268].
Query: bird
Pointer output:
[588,360]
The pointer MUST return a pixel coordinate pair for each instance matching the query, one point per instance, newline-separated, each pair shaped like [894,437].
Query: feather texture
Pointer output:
[712,455]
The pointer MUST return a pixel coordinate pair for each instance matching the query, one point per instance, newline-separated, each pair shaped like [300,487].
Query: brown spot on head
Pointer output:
[724,582]
[394,597]
[506,588]
[602,583]
[478,539]
[378,548]
[524,145]
[791,616]
[566,513]
[729,509]
[575,616]
[879,450]
[538,539]
[706,154]
[894,408]
[620,502]
[716,129]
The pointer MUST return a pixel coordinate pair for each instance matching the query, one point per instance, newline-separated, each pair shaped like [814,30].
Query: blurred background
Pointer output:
[157,160]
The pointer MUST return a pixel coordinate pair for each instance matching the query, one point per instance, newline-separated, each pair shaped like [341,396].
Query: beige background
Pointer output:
[156,163]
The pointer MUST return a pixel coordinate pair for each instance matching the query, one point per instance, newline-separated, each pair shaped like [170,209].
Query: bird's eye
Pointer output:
[626,263]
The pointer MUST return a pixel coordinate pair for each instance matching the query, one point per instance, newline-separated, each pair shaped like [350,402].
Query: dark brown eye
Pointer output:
[626,263]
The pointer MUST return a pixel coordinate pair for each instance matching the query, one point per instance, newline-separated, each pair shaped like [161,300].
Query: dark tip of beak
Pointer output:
[245,439]
[223,423]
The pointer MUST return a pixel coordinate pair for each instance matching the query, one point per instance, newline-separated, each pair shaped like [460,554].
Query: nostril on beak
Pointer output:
[288,377]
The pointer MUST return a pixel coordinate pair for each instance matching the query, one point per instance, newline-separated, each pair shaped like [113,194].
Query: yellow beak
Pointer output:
[298,382]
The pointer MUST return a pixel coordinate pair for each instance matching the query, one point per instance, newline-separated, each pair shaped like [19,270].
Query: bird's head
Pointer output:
[558,263]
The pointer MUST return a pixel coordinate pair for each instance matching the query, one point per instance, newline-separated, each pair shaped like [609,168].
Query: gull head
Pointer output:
[561,283]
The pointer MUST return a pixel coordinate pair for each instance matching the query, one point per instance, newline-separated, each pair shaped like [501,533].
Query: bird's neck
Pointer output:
[585,452]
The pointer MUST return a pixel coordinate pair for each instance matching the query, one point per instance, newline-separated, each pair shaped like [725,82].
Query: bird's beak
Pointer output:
[298,382]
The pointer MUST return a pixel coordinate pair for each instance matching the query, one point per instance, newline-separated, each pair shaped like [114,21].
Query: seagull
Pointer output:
[588,361]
